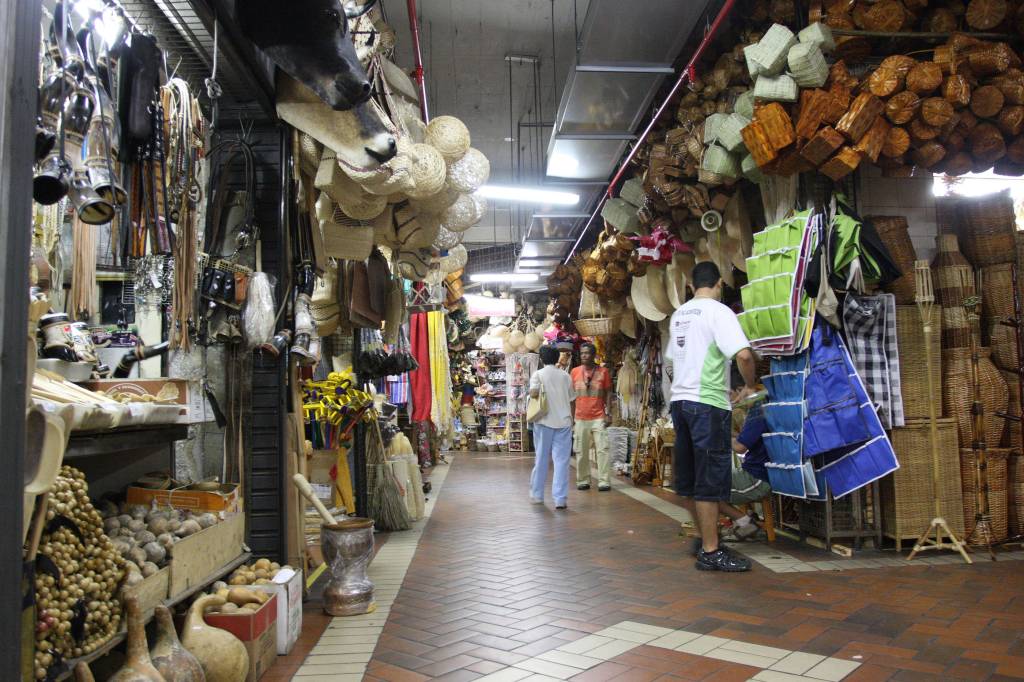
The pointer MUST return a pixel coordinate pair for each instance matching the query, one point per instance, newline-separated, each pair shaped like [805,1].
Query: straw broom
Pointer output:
[385,505]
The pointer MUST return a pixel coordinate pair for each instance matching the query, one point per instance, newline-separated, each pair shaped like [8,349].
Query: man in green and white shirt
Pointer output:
[705,336]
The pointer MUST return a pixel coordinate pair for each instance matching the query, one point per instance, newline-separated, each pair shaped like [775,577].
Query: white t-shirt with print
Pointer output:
[704,337]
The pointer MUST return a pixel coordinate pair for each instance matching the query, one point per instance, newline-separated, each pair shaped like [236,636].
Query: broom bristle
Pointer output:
[388,509]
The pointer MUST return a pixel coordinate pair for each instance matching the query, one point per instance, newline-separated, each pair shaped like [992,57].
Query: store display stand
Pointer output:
[938,527]
[982,530]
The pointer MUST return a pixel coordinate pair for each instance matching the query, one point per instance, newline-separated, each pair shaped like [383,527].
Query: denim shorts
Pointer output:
[702,457]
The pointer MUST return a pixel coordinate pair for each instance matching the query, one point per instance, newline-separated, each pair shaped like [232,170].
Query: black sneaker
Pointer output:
[721,560]
[603,488]
[583,486]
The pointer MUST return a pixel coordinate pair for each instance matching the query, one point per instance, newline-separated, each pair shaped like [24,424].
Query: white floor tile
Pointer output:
[773,676]
[506,675]
[336,668]
[626,635]
[614,648]
[832,669]
[584,644]
[676,639]
[724,654]
[701,645]
[549,668]
[644,628]
[797,663]
[575,660]
[757,649]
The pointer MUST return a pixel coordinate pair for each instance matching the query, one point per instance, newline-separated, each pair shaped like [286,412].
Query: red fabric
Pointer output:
[419,380]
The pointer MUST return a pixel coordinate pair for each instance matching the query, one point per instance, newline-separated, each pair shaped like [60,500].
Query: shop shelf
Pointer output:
[96,443]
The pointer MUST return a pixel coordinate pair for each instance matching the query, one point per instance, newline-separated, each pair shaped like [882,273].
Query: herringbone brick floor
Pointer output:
[498,582]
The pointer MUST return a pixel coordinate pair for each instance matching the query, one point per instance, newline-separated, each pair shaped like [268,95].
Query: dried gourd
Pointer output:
[902,107]
[987,101]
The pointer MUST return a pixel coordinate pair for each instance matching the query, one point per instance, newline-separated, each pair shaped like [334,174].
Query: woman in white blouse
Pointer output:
[552,434]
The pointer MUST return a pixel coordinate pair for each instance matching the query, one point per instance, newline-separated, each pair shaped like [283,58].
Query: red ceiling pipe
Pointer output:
[689,72]
[417,55]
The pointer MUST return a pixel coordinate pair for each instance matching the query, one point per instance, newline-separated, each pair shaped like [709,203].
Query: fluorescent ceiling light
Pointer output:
[529,194]
[561,165]
[538,262]
[507,277]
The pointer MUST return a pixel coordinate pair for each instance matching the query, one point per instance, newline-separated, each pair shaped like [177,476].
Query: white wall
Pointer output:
[911,198]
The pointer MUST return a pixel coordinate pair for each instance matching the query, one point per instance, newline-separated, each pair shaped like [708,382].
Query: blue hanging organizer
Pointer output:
[784,416]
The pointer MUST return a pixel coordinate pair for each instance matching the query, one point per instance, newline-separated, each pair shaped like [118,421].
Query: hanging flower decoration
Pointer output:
[659,246]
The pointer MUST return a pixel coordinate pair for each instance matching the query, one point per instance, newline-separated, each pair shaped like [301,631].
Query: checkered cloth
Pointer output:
[870,323]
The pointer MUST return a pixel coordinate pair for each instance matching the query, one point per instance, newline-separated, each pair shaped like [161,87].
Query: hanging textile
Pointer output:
[870,323]
[783,438]
[441,411]
[841,424]
[419,379]
[777,311]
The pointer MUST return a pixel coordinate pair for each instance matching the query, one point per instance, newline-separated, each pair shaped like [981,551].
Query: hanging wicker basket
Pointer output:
[986,226]
[895,235]
[592,318]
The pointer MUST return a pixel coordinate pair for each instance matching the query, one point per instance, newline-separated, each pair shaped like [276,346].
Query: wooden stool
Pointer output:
[768,512]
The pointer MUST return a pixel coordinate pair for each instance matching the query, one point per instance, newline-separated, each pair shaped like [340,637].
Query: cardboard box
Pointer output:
[225,499]
[258,632]
[199,559]
[190,398]
[288,589]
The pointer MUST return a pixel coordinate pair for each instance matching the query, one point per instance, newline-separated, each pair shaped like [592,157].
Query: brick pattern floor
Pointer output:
[497,582]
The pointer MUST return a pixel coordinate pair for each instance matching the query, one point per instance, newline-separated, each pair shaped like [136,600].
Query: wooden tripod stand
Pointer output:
[982,531]
[934,535]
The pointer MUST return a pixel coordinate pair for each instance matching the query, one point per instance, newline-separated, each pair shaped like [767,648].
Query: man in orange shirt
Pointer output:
[592,385]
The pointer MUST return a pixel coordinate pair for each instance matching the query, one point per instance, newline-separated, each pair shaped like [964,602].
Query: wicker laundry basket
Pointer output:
[914,365]
[908,504]
[997,461]
[986,226]
[895,234]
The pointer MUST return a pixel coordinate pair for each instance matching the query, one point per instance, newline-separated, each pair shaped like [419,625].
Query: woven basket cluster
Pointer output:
[997,461]
[895,234]
[958,396]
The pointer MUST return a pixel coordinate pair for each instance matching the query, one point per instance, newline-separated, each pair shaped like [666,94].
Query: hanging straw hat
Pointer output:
[717,245]
[446,239]
[456,259]
[641,298]
[656,287]
[428,171]
[414,265]
[627,322]
[470,172]
[437,203]
[309,154]
[738,228]
[384,229]
[346,238]
[676,279]
[448,135]
[533,341]
[346,192]
[461,215]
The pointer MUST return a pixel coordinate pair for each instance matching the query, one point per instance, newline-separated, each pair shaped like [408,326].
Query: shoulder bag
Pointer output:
[537,408]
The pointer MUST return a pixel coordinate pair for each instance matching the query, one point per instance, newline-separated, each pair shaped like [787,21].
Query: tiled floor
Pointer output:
[499,589]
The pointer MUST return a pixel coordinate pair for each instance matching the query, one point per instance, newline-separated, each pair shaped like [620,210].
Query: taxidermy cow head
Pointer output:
[308,40]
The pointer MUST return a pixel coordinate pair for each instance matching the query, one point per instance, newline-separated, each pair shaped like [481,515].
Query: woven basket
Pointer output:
[952,273]
[958,393]
[1011,429]
[908,503]
[895,235]
[986,228]
[946,218]
[1003,342]
[914,365]
[348,240]
[998,498]
[1015,492]
[593,319]
[956,328]
[997,292]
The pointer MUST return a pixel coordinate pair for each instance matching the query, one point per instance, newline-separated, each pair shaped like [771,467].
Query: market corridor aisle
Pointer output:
[502,589]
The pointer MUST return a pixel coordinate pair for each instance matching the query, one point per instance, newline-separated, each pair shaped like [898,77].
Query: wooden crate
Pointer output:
[196,558]
[152,591]
[908,503]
